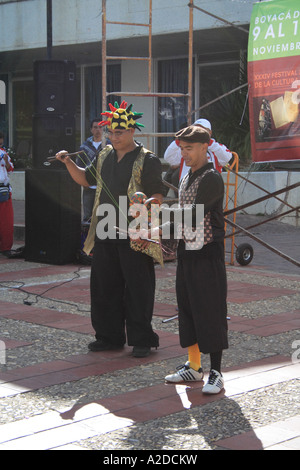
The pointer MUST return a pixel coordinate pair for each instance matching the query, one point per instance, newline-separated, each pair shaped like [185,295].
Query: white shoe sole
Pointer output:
[185,376]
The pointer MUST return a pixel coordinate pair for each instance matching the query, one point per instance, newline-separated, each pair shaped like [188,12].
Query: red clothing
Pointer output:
[6,208]
[6,225]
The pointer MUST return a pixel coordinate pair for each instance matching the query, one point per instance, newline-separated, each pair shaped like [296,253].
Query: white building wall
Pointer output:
[135,79]
[270,181]
[21,25]
[80,21]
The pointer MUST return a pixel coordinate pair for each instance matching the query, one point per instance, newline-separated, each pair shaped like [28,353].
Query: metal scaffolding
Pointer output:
[149,92]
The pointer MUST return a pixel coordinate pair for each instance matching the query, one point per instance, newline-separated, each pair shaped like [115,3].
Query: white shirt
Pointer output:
[96,144]
[4,178]
[217,153]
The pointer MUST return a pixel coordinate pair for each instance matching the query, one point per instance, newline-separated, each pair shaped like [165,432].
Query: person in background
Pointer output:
[91,147]
[217,153]
[173,157]
[6,207]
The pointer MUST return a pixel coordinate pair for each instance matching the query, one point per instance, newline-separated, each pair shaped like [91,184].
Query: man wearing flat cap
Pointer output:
[201,285]
[217,153]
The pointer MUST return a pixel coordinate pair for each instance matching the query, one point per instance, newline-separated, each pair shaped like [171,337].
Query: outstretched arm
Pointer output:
[77,173]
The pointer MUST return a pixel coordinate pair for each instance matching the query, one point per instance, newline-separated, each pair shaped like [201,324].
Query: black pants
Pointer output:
[122,295]
[201,288]
[88,198]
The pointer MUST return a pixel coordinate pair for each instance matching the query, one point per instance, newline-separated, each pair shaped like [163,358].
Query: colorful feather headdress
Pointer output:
[121,117]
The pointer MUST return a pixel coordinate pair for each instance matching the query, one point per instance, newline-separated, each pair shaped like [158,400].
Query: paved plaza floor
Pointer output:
[55,394]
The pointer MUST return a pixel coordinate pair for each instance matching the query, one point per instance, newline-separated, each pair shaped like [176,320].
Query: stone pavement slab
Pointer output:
[55,394]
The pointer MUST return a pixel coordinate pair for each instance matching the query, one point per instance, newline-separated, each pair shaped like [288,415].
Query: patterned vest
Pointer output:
[135,184]
[187,196]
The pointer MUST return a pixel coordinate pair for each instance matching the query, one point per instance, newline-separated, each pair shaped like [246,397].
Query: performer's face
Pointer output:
[121,139]
[194,154]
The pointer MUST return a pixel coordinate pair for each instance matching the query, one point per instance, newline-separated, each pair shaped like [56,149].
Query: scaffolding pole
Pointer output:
[149,93]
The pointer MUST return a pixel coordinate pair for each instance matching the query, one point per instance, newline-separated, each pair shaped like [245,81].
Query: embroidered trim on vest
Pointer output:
[135,184]
[187,196]
[90,239]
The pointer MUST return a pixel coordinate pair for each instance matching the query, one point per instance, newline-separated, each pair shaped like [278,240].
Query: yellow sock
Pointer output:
[194,356]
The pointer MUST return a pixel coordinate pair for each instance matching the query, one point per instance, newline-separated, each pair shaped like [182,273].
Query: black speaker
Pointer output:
[55,87]
[52,217]
[49,135]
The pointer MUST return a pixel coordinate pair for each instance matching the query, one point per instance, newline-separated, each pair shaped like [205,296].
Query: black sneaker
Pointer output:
[100,345]
[155,340]
[6,253]
[140,351]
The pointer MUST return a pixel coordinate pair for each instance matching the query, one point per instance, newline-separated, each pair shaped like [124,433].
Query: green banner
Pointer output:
[274,80]
[274,30]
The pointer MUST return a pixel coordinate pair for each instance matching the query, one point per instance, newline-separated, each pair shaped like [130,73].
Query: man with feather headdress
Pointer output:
[122,274]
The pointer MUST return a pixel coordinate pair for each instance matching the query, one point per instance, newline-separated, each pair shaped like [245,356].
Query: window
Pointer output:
[4,109]
[229,116]
[172,112]
[93,90]
[22,114]
[214,81]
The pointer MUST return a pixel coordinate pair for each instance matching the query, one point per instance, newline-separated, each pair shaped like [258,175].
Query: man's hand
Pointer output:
[77,173]
[6,160]
[144,237]
[141,236]
[62,156]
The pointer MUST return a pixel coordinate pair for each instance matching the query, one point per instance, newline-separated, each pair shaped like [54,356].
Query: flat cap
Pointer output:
[193,134]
